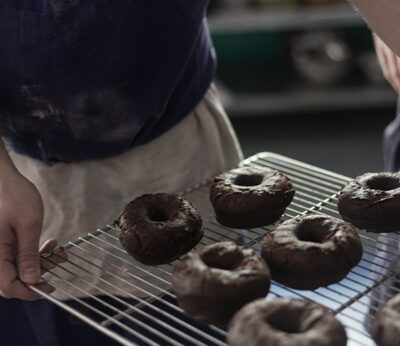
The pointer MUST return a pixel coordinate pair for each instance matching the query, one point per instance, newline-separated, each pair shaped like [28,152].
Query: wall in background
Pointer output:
[300,78]
[346,143]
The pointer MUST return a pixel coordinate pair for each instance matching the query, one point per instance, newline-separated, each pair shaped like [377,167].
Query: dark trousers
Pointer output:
[42,323]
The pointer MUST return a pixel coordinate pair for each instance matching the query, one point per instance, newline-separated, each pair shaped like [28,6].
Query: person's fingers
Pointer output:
[397,58]
[50,262]
[43,287]
[10,285]
[382,59]
[48,245]
[28,260]
[389,62]
[8,272]
[394,71]
[18,290]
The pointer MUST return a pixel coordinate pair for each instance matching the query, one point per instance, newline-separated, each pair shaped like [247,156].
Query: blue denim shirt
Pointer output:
[87,79]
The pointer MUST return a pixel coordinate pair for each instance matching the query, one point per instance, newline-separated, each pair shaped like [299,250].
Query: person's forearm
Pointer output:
[383,16]
[7,167]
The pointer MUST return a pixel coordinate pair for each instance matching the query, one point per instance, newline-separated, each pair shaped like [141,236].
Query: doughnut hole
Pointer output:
[284,322]
[309,231]
[160,213]
[226,260]
[248,180]
[383,183]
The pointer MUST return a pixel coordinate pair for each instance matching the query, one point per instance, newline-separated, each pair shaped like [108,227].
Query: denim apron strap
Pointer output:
[391,144]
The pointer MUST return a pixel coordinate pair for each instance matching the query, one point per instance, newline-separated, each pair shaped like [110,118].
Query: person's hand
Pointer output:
[21,217]
[389,62]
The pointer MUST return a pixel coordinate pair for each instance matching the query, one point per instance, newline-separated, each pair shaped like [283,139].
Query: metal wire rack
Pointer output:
[134,305]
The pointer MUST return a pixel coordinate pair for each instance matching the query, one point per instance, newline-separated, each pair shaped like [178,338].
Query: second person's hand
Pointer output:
[389,62]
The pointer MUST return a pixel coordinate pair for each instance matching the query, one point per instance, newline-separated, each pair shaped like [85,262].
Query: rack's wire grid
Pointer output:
[134,304]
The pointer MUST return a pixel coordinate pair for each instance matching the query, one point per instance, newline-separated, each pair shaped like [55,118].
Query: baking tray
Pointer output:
[134,304]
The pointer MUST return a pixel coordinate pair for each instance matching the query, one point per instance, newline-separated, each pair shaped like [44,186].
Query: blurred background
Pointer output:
[300,78]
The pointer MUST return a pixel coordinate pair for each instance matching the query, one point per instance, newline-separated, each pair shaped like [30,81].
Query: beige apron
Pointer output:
[81,197]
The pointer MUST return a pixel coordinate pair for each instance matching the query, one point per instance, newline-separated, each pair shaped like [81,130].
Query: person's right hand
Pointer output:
[389,62]
[21,217]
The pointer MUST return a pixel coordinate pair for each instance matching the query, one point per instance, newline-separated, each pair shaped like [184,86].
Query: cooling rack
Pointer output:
[134,304]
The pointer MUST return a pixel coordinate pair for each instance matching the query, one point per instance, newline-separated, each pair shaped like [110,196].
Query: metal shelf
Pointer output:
[323,17]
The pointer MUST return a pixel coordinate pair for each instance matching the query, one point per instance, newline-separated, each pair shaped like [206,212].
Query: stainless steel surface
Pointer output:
[150,316]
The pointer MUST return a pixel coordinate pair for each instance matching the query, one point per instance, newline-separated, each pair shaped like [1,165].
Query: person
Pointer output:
[383,17]
[390,65]
[100,101]
[386,253]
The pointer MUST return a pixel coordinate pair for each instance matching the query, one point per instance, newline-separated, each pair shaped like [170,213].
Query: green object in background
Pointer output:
[249,47]
[248,62]
[360,37]
[256,65]
[261,61]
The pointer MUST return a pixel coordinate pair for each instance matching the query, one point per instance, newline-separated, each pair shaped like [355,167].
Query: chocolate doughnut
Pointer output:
[311,251]
[285,322]
[157,229]
[386,327]
[249,197]
[216,282]
[372,202]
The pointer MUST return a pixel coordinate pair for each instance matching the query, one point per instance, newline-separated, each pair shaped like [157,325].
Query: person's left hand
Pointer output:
[47,263]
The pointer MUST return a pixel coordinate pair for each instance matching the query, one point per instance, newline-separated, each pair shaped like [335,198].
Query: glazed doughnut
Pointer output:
[285,322]
[311,251]
[159,228]
[249,197]
[372,202]
[216,282]
[386,328]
